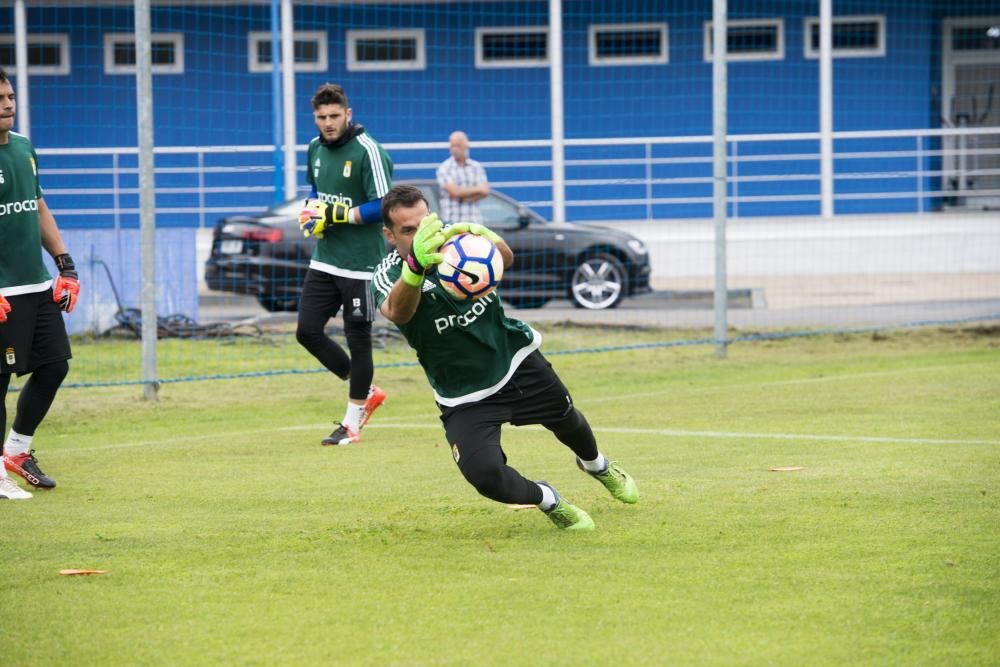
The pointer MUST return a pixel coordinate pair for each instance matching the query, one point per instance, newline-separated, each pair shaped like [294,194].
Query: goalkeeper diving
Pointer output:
[484,368]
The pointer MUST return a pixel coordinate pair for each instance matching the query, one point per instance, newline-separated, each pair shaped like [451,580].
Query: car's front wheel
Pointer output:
[598,282]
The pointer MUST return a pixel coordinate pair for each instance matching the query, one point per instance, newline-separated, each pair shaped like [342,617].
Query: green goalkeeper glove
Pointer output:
[471,228]
[423,253]
[316,215]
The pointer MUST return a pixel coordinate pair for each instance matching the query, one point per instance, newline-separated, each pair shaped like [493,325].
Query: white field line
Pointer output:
[674,391]
[223,437]
[606,399]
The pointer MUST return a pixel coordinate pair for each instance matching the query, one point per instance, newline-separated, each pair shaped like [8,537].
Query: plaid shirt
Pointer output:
[469,174]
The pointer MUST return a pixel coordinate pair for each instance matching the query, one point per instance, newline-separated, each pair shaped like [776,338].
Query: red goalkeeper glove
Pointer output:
[66,288]
[4,308]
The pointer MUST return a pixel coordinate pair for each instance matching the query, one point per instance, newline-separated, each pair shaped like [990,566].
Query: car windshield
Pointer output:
[498,213]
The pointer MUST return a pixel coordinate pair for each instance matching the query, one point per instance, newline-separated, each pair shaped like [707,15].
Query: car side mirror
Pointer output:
[523,217]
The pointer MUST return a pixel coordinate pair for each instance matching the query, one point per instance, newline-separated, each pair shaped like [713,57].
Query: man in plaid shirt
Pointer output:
[462,181]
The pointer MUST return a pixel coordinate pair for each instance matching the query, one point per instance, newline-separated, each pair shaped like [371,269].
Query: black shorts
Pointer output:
[324,293]
[534,395]
[33,335]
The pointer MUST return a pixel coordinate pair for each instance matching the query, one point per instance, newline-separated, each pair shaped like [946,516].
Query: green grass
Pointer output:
[231,537]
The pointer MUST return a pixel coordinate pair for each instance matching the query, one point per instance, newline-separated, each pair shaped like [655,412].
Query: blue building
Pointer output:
[637,104]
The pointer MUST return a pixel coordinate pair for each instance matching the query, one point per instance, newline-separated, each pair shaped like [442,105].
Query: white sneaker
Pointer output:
[9,490]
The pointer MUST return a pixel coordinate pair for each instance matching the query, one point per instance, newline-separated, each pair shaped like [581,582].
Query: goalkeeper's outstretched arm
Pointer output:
[420,255]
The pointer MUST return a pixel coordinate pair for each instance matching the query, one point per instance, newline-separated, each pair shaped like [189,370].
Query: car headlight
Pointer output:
[637,246]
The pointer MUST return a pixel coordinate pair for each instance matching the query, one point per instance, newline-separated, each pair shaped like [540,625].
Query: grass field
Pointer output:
[231,537]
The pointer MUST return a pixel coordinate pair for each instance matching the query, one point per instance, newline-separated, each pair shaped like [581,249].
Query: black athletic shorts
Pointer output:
[327,293]
[33,335]
[534,395]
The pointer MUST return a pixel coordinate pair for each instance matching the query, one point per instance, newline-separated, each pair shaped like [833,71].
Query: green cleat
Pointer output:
[567,516]
[618,482]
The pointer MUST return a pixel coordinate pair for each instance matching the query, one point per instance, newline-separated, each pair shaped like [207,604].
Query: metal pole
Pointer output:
[826,107]
[147,201]
[288,79]
[556,112]
[21,68]
[719,205]
[276,105]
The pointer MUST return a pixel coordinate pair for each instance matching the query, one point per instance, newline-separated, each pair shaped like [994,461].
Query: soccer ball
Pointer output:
[471,266]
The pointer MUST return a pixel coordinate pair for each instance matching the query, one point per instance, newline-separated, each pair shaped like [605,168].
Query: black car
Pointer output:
[594,267]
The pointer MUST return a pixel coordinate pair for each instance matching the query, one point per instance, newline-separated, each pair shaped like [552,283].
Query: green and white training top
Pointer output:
[468,349]
[21,267]
[359,171]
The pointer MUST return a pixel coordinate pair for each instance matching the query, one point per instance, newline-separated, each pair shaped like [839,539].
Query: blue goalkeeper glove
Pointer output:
[316,215]
[424,255]
[471,228]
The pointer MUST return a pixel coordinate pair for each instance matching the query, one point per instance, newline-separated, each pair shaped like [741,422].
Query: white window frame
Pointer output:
[319,36]
[113,38]
[951,23]
[597,61]
[418,34]
[779,54]
[482,63]
[59,38]
[877,52]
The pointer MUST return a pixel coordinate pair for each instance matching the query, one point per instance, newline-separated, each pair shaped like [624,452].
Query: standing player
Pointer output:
[485,368]
[462,181]
[32,333]
[349,173]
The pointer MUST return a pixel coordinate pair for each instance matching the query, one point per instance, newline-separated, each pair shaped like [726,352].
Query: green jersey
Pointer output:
[356,172]
[21,267]
[468,349]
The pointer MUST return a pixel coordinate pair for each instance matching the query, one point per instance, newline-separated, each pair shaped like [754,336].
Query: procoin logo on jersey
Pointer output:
[465,319]
[327,198]
[18,206]
[347,169]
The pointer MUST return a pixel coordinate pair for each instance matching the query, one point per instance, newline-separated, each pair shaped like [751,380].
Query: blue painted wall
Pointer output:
[218,102]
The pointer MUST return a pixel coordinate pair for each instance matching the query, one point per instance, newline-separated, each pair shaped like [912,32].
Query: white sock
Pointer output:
[548,498]
[352,417]
[16,443]
[599,464]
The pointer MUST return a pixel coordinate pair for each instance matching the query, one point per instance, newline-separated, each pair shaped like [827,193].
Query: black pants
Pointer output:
[534,395]
[323,296]
[32,340]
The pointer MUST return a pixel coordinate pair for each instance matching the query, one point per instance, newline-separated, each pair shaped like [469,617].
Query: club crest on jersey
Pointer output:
[9,356]
[1,176]
[34,167]
[316,169]
[347,169]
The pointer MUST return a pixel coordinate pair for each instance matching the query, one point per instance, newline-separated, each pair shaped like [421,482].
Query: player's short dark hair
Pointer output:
[404,196]
[330,93]
[3,75]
